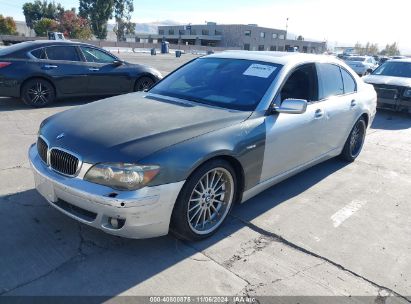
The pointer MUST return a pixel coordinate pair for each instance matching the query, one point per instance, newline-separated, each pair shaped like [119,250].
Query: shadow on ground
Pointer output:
[46,253]
[389,120]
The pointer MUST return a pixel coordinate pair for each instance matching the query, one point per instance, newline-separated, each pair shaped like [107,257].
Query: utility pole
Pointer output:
[286,28]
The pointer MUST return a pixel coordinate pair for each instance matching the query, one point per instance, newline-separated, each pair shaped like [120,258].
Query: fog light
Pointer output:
[116,223]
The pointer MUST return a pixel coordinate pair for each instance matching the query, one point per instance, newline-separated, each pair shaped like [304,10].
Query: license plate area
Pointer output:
[387,93]
[45,188]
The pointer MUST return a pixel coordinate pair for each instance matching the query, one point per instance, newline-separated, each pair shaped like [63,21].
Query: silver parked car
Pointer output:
[362,65]
[217,131]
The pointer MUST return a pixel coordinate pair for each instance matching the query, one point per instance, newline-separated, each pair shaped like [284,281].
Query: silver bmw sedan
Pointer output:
[215,132]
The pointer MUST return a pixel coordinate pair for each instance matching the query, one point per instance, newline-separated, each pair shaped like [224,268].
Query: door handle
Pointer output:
[94,69]
[318,113]
[353,103]
[49,66]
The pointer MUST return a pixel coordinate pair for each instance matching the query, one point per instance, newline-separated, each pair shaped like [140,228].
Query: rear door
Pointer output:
[338,91]
[104,76]
[65,66]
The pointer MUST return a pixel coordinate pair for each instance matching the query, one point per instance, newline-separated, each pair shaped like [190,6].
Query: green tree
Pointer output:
[391,50]
[37,10]
[373,49]
[98,12]
[122,14]
[359,49]
[7,26]
[45,25]
[74,26]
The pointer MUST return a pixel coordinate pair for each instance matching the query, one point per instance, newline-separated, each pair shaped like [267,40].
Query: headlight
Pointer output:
[121,176]
[407,93]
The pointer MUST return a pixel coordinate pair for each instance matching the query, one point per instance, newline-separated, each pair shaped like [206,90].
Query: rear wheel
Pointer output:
[355,141]
[143,83]
[38,93]
[205,201]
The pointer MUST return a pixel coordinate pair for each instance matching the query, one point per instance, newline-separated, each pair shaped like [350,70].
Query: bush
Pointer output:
[45,25]
[7,26]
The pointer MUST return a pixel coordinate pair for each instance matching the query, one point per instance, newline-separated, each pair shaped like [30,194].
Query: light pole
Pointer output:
[286,28]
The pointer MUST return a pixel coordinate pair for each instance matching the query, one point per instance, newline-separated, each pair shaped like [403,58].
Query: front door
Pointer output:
[64,65]
[104,76]
[293,140]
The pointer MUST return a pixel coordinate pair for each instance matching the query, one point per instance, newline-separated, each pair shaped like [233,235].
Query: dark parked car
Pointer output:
[392,81]
[40,72]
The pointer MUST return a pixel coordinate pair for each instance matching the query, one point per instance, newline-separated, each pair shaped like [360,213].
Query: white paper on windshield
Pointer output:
[259,70]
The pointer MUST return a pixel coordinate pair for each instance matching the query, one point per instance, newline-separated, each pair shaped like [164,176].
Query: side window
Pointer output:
[302,84]
[350,85]
[68,53]
[331,80]
[95,55]
[39,53]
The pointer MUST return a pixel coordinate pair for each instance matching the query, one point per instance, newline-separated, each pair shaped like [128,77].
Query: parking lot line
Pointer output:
[346,212]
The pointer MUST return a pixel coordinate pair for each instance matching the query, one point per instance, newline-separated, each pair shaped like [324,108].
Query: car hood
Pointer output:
[130,127]
[388,80]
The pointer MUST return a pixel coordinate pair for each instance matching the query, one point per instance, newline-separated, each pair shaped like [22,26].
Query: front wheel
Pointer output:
[355,141]
[204,201]
[38,93]
[143,83]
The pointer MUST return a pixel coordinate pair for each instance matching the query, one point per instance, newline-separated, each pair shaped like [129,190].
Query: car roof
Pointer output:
[20,50]
[283,58]
[53,42]
[408,60]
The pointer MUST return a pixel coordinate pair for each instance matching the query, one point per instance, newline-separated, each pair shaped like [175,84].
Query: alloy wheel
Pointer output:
[357,139]
[210,201]
[39,94]
[144,83]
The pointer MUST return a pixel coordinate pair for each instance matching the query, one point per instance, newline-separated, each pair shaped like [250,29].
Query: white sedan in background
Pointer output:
[362,65]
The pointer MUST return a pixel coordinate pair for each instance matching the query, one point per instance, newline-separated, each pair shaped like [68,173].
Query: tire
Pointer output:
[204,201]
[143,83]
[355,141]
[38,93]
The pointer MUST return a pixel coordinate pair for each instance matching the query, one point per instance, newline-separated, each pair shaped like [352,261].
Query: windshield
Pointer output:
[230,83]
[395,69]
[355,58]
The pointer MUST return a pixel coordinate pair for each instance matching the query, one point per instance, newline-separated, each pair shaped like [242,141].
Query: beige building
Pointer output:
[247,37]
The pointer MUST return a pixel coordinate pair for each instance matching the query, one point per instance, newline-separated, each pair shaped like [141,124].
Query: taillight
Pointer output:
[4,64]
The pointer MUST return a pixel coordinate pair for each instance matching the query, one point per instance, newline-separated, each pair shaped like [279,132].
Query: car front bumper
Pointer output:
[146,212]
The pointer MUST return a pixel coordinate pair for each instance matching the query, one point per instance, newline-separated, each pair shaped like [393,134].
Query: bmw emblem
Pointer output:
[60,136]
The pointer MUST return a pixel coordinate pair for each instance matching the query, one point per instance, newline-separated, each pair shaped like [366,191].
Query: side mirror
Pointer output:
[118,62]
[292,106]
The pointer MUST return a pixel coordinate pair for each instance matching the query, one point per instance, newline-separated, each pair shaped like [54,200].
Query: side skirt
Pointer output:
[260,187]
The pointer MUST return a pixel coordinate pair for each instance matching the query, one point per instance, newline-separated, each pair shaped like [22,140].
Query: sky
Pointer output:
[341,23]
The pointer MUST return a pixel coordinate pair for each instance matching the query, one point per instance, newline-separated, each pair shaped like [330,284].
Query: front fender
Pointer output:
[244,141]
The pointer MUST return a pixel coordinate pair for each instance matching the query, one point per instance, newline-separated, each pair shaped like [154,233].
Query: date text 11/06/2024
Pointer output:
[202,299]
